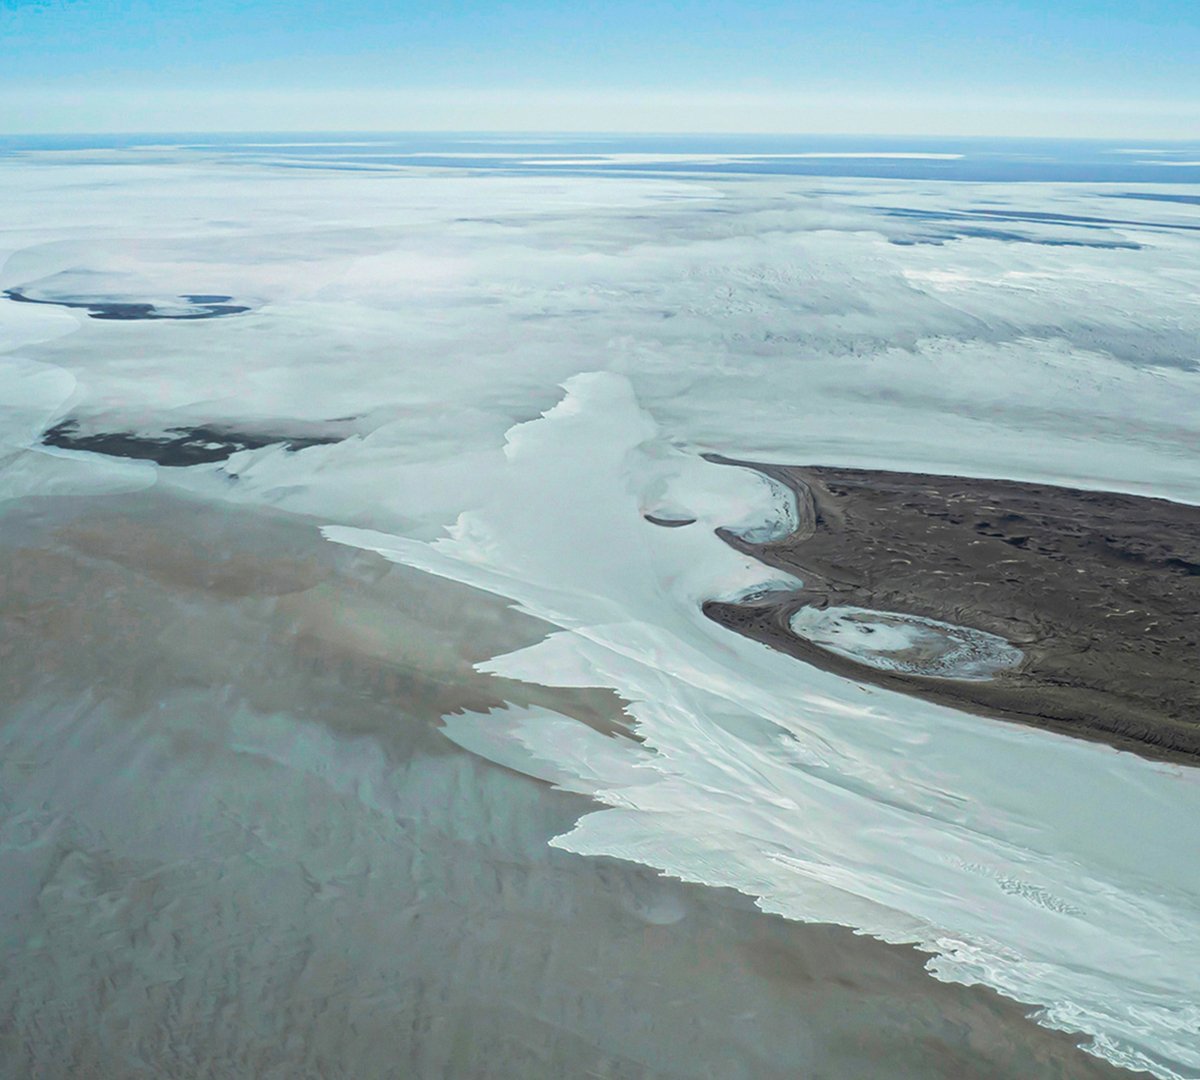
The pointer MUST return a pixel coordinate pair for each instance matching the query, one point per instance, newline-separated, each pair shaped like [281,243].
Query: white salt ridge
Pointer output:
[1032,863]
[761,589]
[777,522]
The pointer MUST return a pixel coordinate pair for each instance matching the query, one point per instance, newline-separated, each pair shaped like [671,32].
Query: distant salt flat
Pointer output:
[613,158]
[943,158]
[898,155]
[636,159]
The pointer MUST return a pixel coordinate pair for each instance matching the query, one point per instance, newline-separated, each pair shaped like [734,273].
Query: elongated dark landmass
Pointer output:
[212,307]
[668,522]
[1100,591]
[176,447]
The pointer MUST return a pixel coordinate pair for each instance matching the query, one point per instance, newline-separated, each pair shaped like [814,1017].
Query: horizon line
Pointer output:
[592,132]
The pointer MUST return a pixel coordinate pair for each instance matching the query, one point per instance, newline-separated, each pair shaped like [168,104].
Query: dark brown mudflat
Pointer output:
[213,307]
[177,447]
[1101,591]
[669,523]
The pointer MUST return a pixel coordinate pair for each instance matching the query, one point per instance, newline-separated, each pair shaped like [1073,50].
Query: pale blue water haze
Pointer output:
[1083,67]
[898,157]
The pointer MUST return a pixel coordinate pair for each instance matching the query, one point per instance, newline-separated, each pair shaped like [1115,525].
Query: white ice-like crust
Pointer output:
[896,641]
[32,395]
[777,521]
[768,319]
[1032,863]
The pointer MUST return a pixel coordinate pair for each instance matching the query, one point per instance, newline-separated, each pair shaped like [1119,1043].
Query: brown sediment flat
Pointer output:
[1101,592]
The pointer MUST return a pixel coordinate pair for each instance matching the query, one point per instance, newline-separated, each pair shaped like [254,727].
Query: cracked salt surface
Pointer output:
[913,644]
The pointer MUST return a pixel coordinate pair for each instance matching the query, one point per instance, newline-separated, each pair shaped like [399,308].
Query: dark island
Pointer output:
[204,305]
[1100,592]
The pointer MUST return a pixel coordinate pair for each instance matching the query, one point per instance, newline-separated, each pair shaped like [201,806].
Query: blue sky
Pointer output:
[1059,67]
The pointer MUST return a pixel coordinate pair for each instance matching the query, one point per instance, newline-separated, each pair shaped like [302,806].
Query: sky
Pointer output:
[1104,68]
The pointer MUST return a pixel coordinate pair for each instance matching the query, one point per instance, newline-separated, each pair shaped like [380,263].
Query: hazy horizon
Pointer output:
[496,112]
[596,133]
[1085,68]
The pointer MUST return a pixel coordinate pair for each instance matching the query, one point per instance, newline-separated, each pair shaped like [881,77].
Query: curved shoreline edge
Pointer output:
[1099,590]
